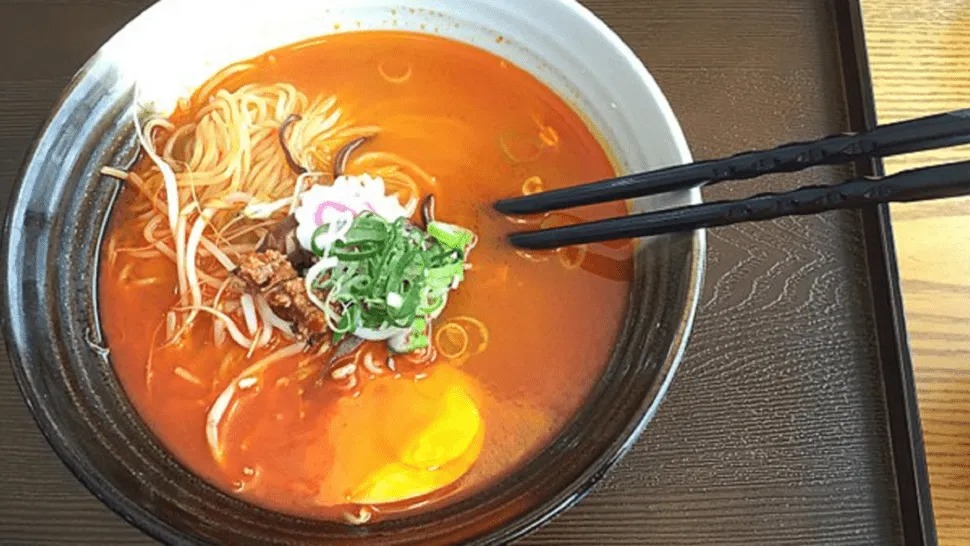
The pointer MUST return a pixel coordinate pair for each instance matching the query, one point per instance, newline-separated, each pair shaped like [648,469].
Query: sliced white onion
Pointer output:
[311,276]
[399,342]
[372,334]
[338,225]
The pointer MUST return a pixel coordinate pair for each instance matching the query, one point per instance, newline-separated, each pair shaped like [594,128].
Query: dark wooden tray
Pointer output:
[793,419]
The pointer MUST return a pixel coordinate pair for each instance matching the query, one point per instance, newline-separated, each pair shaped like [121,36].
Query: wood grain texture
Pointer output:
[774,431]
[920,57]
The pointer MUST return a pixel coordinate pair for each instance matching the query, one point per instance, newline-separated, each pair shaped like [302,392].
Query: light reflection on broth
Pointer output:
[264,402]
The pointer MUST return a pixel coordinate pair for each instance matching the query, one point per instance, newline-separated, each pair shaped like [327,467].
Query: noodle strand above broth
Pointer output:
[331,324]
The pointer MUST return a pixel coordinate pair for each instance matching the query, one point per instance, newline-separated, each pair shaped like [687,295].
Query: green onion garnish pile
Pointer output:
[390,279]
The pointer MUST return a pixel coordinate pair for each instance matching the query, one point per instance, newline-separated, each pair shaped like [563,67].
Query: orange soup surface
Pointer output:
[516,350]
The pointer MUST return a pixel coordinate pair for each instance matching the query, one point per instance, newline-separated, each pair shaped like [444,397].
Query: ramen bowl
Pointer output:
[60,210]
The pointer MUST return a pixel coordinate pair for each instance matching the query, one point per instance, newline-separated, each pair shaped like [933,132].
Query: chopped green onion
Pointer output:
[391,275]
[416,342]
[444,276]
[416,339]
[450,235]
[319,232]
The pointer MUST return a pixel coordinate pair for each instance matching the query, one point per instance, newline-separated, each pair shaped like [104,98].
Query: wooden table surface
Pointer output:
[920,56]
[792,464]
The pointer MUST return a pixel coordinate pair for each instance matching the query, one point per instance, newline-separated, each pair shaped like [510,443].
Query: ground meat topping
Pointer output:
[271,273]
[289,300]
[260,270]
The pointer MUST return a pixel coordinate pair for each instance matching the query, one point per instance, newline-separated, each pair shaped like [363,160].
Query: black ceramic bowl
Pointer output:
[59,211]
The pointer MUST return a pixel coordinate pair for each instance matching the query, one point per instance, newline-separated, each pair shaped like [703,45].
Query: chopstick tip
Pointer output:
[526,240]
[506,206]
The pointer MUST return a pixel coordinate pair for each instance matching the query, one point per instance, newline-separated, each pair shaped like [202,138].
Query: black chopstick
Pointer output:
[939,182]
[937,131]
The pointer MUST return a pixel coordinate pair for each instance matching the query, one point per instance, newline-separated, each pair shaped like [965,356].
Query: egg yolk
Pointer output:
[402,438]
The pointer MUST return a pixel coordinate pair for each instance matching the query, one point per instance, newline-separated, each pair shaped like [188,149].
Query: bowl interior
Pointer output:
[59,212]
